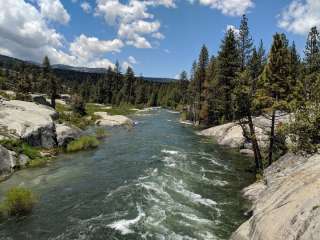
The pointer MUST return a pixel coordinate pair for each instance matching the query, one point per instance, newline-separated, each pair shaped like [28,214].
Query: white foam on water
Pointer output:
[123,226]
[196,219]
[194,197]
[215,182]
[170,111]
[170,162]
[172,152]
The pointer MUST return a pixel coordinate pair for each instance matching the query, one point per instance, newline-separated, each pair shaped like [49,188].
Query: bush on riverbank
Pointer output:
[20,147]
[18,201]
[83,143]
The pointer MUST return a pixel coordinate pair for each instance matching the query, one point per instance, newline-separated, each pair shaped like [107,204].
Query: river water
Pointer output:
[157,181]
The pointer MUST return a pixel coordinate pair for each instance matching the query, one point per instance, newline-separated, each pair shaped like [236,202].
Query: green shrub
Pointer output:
[38,162]
[76,120]
[83,143]
[18,201]
[31,152]
[78,105]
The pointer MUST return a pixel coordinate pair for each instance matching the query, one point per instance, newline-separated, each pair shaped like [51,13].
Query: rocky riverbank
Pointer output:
[231,134]
[38,125]
[286,203]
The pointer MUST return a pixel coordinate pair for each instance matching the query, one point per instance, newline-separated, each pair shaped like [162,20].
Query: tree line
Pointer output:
[242,82]
[112,87]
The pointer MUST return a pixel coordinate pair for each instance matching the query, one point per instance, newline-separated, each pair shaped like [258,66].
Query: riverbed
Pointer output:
[158,180]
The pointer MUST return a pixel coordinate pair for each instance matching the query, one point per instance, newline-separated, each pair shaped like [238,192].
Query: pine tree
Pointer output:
[274,85]
[312,51]
[200,78]
[245,43]
[311,62]
[228,66]
[127,89]
[49,81]
[295,72]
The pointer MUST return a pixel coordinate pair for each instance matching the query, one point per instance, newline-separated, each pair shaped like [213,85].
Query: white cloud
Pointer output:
[158,35]
[166,3]
[129,62]
[229,7]
[89,47]
[133,20]
[132,60]
[26,35]
[86,7]
[300,16]
[234,29]
[133,32]
[167,51]
[54,10]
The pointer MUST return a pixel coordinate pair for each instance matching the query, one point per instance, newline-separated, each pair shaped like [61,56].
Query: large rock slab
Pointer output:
[29,121]
[66,134]
[231,134]
[286,204]
[8,161]
[112,120]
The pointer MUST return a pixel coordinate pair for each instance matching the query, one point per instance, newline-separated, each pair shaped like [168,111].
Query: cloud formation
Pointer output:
[54,10]
[86,7]
[135,24]
[26,34]
[300,16]
[229,7]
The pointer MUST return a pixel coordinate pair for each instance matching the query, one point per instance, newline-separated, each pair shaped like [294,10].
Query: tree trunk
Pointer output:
[272,136]
[53,102]
[255,145]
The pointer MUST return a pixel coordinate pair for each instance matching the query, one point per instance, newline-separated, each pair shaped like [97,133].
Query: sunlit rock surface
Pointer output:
[29,121]
[286,204]
[112,120]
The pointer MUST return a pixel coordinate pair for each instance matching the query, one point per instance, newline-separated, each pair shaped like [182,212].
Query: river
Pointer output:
[157,181]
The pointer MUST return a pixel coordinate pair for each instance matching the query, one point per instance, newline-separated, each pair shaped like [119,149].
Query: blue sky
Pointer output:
[157,38]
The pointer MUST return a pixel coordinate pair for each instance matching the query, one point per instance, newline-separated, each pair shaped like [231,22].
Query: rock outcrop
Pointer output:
[66,134]
[8,161]
[112,120]
[231,134]
[286,204]
[29,121]
[40,99]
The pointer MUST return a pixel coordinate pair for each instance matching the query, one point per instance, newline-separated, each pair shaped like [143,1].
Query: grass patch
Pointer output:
[76,120]
[38,162]
[18,146]
[62,108]
[83,143]
[18,201]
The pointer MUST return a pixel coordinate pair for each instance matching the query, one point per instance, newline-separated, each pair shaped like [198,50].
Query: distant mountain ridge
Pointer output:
[9,63]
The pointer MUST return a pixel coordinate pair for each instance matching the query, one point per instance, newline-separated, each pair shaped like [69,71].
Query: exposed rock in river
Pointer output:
[286,204]
[29,121]
[112,120]
[8,161]
[66,134]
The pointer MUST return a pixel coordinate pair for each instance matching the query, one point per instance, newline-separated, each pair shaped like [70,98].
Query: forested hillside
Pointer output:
[244,81]
[108,86]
